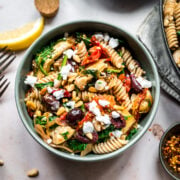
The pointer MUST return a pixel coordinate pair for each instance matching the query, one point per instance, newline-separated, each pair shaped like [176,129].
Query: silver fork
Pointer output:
[3,85]
[6,58]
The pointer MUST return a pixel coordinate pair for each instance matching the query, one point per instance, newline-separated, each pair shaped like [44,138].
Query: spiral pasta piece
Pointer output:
[34,94]
[110,145]
[35,104]
[121,95]
[131,64]
[115,57]
[172,36]
[81,51]
[169,7]
[83,95]
[177,16]
[48,78]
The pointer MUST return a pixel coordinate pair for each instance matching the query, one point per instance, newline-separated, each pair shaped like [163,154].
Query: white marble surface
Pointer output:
[17,148]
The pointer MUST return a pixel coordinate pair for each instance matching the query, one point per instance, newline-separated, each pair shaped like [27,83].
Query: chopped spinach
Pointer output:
[120,53]
[178,33]
[41,120]
[76,145]
[104,135]
[51,118]
[65,135]
[82,107]
[92,72]
[131,133]
[80,37]
[126,117]
[43,85]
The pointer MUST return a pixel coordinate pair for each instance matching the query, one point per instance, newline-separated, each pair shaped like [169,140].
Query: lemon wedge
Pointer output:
[22,37]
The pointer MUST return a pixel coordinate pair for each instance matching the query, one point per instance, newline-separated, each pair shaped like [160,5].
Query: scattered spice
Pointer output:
[33,173]
[171,152]
[1,162]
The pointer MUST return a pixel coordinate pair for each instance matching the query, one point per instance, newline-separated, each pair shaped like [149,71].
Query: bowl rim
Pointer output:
[161,4]
[87,158]
[160,149]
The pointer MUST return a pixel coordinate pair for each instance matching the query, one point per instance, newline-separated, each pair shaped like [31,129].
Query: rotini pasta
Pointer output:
[81,102]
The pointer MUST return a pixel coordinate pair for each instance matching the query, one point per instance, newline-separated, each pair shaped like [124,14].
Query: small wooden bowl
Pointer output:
[173,130]
[47,8]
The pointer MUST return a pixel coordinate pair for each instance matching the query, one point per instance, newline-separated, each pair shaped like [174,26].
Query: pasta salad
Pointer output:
[87,93]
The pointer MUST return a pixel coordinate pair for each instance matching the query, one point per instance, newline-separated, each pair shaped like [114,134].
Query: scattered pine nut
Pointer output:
[33,173]
[1,162]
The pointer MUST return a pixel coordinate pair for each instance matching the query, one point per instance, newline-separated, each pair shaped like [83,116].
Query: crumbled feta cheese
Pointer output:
[69,53]
[30,80]
[70,104]
[117,133]
[103,103]
[144,82]
[94,109]
[49,90]
[73,63]
[139,126]
[106,37]
[66,34]
[49,141]
[131,66]
[115,114]
[57,83]
[105,119]
[100,84]
[99,36]
[113,42]
[87,127]
[65,70]
[59,94]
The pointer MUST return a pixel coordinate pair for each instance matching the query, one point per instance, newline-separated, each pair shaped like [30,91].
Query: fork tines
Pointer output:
[3,85]
[6,58]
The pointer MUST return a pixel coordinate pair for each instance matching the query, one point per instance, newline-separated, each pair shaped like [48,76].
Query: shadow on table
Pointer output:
[122,6]
[109,169]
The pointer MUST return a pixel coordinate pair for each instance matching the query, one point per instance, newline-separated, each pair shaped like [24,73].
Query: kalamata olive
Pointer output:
[74,116]
[135,84]
[118,122]
[80,137]
[51,102]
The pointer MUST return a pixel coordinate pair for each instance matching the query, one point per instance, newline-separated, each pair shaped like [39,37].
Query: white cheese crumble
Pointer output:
[115,114]
[106,37]
[103,103]
[49,90]
[59,94]
[49,141]
[117,133]
[69,53]
[94,109]
[87,127]
[100,84]
[99,36]
[70,104]
[144,82]
[30,80]
[105,119]
[65,70]
[57,83]
[113,42]
[139,126]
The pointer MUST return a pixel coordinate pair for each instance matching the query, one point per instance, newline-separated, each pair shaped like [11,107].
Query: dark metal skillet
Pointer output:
[161,2]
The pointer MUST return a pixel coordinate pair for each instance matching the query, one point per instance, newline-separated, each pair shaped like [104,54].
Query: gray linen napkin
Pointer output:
[150,34]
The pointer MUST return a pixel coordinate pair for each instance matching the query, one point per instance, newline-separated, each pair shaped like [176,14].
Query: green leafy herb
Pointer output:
[113,71]
[51,118]
[41,120]
[92,72]
[77,89]
[126,117]
[64,61]
[82,107]
[75,145]
[65,135]
[178,33]
[131,133]
[120,53]
[59,76]
[81,37]
[42,85]
[149,103]
[104,135]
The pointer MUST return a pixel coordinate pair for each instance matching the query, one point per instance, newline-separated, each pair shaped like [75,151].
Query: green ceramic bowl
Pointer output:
[138,51]
[172,130]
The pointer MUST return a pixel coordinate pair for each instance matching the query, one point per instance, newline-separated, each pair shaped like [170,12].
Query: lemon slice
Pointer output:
[22,37]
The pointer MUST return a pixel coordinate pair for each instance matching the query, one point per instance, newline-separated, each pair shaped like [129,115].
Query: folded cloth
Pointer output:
[150,34]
